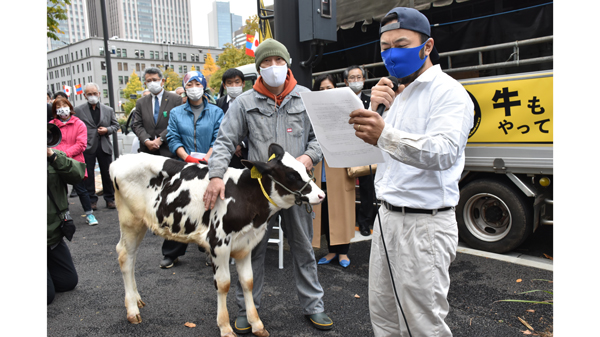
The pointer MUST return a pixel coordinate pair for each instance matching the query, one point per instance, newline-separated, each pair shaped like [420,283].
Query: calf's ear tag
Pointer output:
[254,174]
[272,156]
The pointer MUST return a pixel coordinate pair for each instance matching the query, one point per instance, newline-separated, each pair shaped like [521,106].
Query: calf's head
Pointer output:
[292,183]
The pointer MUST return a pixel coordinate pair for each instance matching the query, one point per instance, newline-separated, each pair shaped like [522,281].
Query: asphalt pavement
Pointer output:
[186,292]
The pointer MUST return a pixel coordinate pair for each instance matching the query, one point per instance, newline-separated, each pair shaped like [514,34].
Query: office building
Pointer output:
[239,38]
[74,28]
[84,62]
[152,21]
[236,22]
[221,24]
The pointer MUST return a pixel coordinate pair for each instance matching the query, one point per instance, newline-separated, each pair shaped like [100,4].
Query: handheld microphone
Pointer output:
[381,107]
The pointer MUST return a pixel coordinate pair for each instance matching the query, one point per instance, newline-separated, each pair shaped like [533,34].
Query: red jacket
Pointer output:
[74,138]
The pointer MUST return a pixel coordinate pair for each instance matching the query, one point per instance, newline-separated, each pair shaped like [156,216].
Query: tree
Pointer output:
[56,11]
[172,80]
[133,86]
[251,25]
[231,57]
[209,67]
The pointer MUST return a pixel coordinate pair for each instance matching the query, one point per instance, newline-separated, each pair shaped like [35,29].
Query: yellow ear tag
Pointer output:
[272,156]
[254,174]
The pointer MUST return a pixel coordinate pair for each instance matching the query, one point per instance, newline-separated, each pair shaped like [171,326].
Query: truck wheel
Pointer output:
[492,216]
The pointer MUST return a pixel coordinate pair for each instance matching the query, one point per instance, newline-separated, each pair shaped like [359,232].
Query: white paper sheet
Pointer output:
[329,112]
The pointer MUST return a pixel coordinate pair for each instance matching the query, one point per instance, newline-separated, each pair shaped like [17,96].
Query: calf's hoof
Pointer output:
[141,303]
[229,334]
[135,319]
[261,333]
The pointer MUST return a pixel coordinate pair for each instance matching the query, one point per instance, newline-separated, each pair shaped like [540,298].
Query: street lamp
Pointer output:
[168,43]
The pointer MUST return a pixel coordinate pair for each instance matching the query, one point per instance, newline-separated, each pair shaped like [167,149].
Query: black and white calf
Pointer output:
[166,195]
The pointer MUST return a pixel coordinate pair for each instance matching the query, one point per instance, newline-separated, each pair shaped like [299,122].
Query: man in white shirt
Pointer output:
[423,136]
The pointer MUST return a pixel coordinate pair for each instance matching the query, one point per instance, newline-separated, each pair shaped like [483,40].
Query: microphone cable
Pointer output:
[386,252]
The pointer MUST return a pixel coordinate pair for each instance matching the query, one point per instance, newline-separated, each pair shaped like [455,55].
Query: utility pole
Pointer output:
[111,100]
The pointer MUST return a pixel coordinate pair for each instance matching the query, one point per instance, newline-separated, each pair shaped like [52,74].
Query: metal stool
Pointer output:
[279,241]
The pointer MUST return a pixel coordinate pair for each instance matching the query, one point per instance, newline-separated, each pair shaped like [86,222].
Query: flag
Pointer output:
[78,90]
[251,43]
[67,90]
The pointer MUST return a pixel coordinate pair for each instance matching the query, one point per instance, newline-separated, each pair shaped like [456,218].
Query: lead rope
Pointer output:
[298,194]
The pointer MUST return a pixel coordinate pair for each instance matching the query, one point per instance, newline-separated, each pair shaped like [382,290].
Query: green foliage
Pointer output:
[231,57]
[210,67]
[172,80]
[251,25]
[56,11]
[549,301]
[122,122]
[133,86]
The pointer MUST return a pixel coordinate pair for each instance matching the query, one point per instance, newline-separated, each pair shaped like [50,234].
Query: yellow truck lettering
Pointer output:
[512,109]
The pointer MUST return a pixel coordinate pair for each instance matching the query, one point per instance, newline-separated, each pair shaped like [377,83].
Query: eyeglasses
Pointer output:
[355,78]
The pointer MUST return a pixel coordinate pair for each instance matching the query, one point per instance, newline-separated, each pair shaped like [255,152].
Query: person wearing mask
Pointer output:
[423,135]
[193,127]
[60,270]
[73,143]
[273,112]
[354,77]
[233,80]
[181,93]
[335,216]
[152,115]
[135,142]
[101,123]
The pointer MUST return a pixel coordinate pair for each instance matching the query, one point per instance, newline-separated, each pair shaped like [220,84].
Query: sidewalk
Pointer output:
[186,292]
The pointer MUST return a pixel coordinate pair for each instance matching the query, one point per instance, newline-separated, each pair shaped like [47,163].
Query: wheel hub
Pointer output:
[487,217]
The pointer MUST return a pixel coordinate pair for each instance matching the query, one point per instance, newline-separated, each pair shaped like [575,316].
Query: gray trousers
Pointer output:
[297,226]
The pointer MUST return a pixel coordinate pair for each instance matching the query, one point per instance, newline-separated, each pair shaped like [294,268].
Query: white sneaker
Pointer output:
[91,220]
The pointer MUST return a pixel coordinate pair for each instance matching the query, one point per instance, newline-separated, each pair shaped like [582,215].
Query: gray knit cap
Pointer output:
[270,47]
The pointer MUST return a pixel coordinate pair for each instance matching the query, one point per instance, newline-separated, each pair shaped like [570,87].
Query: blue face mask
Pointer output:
[401,62]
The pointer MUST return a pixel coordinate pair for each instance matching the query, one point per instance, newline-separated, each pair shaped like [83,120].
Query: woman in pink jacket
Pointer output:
[73,143]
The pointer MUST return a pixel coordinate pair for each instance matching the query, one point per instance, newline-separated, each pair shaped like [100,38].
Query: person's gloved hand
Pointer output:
[190,159]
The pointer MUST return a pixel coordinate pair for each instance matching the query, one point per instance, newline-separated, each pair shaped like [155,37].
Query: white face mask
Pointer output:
[356,86]
[154,87]
[274,76]
[63,113]
[93,99]
[194,93]
[234,91]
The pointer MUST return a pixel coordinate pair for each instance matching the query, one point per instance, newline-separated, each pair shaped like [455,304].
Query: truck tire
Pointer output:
[493,216]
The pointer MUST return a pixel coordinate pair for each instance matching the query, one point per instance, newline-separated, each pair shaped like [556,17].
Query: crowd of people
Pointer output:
[422,136]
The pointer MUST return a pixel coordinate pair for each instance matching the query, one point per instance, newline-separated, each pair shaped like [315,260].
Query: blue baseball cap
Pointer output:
[411,19]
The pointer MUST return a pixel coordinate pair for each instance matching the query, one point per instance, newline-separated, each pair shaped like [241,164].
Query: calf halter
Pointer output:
[297,194]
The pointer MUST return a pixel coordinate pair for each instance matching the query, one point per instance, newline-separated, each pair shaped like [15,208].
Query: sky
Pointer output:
[201,8]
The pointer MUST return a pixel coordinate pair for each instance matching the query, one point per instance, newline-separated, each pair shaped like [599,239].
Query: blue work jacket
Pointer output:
[194,138]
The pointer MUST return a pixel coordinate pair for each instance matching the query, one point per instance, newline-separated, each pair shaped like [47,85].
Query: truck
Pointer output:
[506,188]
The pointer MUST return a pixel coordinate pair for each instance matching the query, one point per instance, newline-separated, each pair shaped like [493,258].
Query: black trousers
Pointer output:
[173,249]
[104,161]
[367,211]
[338,249]
[62,275]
